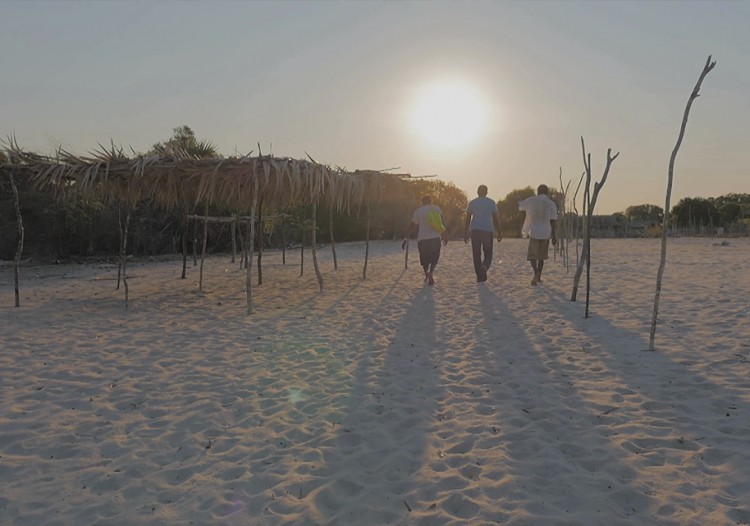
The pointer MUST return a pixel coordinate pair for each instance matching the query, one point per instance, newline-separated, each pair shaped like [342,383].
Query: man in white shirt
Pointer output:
[541,219]
[428,219]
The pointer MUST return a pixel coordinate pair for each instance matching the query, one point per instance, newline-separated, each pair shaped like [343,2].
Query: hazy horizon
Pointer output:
[495,93]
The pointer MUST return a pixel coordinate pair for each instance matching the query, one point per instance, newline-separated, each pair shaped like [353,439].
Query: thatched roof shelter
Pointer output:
[175,179]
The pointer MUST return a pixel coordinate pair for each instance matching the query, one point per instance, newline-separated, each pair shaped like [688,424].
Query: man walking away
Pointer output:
[481,215]
[541,219]
[428,219]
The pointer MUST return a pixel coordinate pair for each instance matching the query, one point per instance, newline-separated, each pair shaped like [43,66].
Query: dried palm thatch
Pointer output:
[173,178]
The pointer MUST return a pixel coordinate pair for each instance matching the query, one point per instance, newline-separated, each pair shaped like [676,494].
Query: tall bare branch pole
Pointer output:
[19,247]
[584,233]
[590,203]
[577,232]
[665,221]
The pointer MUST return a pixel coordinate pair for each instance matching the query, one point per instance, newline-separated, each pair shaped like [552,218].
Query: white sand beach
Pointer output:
[380,401]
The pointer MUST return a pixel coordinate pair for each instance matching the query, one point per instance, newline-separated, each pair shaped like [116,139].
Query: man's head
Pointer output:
[542,189]
[426,199]
[482,190]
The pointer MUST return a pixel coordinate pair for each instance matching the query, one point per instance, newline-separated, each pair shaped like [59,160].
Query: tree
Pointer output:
[511,218]
[648,213]
[183,138]
[732,208]
[694,211]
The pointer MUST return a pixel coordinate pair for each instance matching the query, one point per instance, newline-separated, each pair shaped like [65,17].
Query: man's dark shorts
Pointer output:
[429,251]
[538,249]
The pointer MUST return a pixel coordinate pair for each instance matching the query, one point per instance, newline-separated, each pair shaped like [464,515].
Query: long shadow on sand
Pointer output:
[526,445]
[372,462]
[694,429]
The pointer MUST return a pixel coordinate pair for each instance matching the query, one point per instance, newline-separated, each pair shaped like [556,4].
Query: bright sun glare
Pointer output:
[449,115]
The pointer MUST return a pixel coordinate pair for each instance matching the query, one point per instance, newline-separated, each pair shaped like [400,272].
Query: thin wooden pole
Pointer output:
[119,245]
[234,237]
[333,243]
[283,239]
[19,246]
[184,243]
[203,249]
[260,241]
[367,242]
[195,242]
[124,253]
[251,243]
[314,240]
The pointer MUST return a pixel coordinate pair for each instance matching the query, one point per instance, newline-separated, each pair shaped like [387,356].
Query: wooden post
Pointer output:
[314,241]
[119,248]
[234,237]
[367,242]
[205,242]
[333,243]
[248,229]
[19,246]
[195,242]
[251,242]
[124,252]
[302,249]
[184,243]
[259,234]
[283,239]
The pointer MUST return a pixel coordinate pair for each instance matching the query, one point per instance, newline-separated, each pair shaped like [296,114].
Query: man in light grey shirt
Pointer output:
[481,215]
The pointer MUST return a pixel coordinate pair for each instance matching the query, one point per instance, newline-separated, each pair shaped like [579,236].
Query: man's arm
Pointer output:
[496,222]
[444,234]
[410,229]
[467,224]
[553,226]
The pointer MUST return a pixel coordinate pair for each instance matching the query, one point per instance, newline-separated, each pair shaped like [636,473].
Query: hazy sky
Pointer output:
[475,92]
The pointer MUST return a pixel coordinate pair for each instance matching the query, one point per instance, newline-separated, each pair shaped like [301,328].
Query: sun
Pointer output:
[449,115]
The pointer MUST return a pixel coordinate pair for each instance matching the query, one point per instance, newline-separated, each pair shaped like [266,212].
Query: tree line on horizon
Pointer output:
[78,227]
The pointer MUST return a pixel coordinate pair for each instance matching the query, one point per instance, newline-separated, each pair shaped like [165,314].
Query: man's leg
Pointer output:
[423,258]
[542,254]
[476,251]
[533,258]
[434,258]
[487,246]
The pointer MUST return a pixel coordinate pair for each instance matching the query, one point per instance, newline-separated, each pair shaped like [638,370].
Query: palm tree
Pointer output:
[184,140]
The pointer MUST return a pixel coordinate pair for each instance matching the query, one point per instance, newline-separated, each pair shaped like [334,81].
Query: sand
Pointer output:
[380,401]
